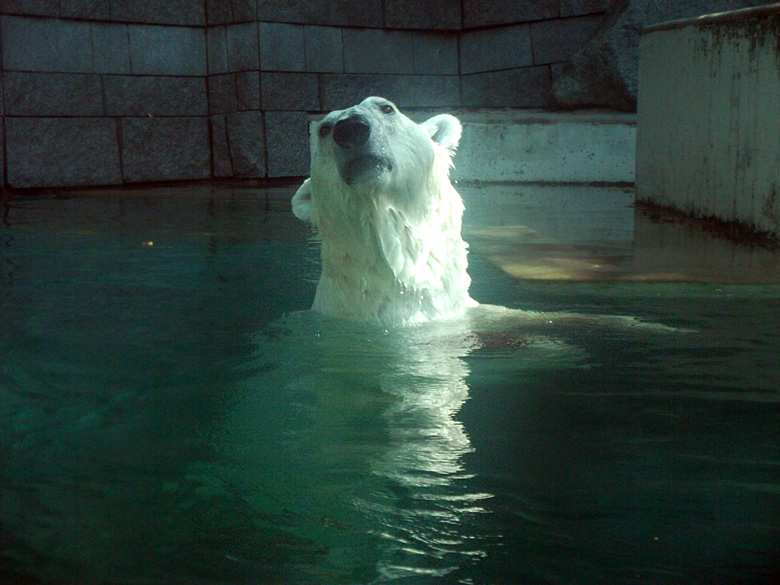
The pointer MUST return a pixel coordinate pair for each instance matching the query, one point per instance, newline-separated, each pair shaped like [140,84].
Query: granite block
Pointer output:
[61,46]
[477,13]
[216,39]
[138,95]
[167,50]
[495,49]
[242,47]
[110,47]
[557,70]
[178,12]
[554,41]
[322,12]
[244,10]
[230,11]
[324,49]
[528,87]
[281,47]
[378,51]
[234,92]
[435,53]
[289,91]
[31,7]
[86,9]
[287,140]
[248,90]
[62,152]
[344,90]
[245,132]
[165,149]
[223,94]
[578,7]
[221,165]
[423,14]
[52,94]
[219,12]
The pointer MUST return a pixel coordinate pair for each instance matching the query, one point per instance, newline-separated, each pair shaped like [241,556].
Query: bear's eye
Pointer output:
[387,109]
[325,130]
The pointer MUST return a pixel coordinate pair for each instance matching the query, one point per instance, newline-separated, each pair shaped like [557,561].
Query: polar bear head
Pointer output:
[388,218]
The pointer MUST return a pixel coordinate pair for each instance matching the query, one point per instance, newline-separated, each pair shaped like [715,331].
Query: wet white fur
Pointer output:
[392,251]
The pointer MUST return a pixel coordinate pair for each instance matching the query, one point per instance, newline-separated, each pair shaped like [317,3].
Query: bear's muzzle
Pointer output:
[360,159]
[352,132]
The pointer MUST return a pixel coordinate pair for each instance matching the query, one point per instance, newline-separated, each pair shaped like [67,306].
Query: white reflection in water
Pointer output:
[370,446]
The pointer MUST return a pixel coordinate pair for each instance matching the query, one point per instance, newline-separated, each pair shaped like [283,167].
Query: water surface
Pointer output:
[170,411]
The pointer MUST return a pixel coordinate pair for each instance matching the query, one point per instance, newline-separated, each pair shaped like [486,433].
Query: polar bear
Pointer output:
[388,218]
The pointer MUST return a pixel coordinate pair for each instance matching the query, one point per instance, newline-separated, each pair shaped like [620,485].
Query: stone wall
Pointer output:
[604,72]
[106,92]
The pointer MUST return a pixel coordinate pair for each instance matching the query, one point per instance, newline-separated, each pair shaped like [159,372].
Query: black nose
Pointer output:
[351,132]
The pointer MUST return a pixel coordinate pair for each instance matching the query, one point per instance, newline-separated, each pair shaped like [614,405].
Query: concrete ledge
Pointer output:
[546,147]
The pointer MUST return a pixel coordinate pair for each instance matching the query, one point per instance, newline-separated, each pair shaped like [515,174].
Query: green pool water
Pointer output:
[170,412]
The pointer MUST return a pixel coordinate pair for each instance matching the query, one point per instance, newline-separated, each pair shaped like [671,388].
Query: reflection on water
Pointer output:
[589,233]
[374,425]
[171,413]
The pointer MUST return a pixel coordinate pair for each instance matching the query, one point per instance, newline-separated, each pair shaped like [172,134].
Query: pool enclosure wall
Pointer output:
[99,92]
[708,121]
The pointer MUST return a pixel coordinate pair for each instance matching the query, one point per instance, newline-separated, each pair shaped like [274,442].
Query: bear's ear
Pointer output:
[301,201]
[444,130]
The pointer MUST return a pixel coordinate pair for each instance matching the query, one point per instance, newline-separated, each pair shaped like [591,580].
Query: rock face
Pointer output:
[604,72]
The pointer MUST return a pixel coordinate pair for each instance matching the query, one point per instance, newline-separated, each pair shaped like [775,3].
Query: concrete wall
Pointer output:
[546,147]
[708,122]
[99,92]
